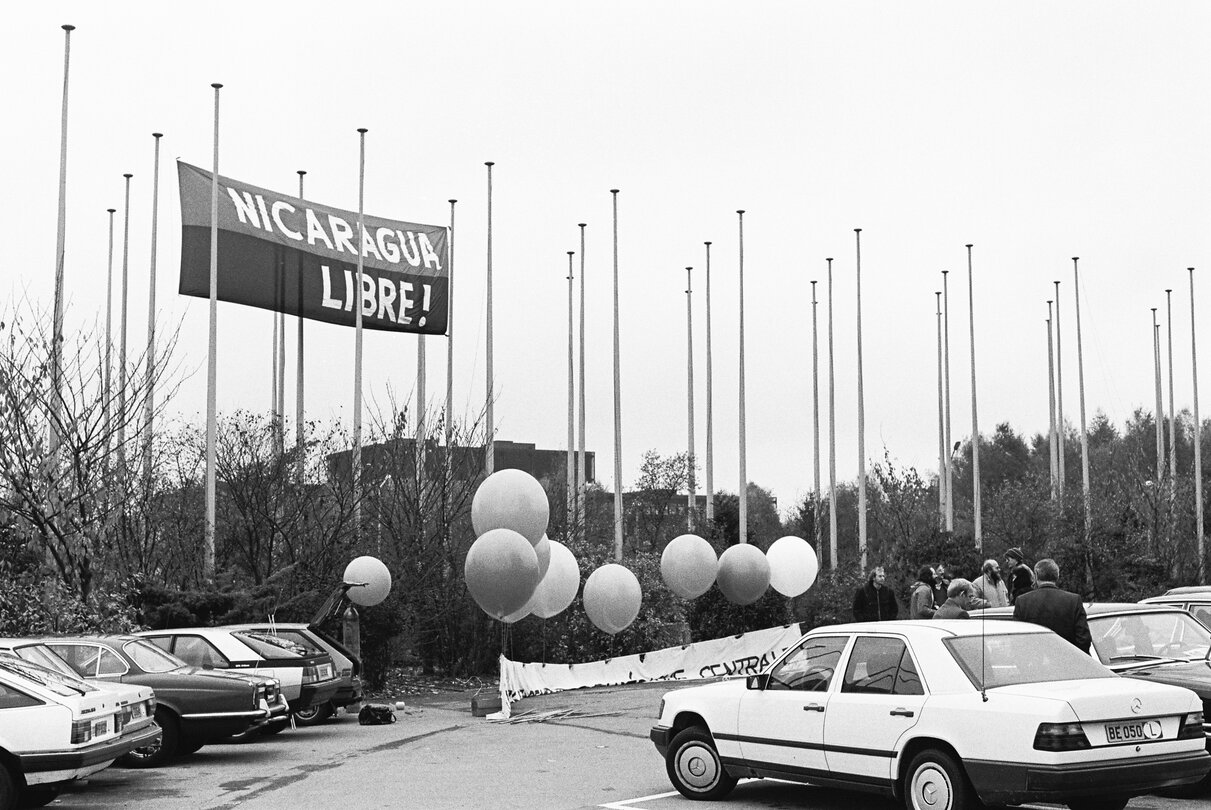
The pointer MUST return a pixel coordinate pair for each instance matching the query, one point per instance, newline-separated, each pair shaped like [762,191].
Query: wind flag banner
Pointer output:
[284,254]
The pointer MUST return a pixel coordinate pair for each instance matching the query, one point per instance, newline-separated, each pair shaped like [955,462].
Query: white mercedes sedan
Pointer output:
[942,714]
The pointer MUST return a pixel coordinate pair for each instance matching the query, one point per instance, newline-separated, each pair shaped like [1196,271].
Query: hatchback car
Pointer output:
[138,702]
[54,730]
[316,641]
[907,709]
[307,678]
[193,706]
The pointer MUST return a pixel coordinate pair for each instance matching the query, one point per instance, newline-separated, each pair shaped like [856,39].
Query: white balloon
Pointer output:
[372,581]
[688,566]
[501,571]
[793,565]
[612,596]
[511,499]
[543,549]
[743,574]
[558,588]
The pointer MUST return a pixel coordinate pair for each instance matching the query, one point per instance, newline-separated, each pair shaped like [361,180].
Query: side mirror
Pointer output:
[758,682]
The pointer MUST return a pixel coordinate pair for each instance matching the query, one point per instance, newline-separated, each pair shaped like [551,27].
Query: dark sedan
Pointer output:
[193,706]
[1151,643]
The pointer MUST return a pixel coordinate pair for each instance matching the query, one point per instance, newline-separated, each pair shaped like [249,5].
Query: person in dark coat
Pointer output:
[1020,577]
[921,600]
[958,601]
[941,583]
[1060,611]
[874,601]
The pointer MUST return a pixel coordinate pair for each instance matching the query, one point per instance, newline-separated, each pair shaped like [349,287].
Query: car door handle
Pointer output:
[902,713]
[813,707]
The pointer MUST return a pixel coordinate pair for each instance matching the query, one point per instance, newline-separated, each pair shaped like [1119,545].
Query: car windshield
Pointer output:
[1145,636]
[269,646]
[151,658]
[1004,660]
[44,656]
[56,682]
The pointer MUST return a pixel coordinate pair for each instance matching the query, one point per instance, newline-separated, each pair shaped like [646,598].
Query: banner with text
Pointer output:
[284,254]
[745,654]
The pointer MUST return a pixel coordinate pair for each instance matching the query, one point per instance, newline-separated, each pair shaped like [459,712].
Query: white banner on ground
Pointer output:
[745,654]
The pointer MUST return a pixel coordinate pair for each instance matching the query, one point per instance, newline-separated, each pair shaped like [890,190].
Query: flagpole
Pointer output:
[1172,407]
[817,501]
[975,422]
[449,420]
[490,424]
[275,408]
[1080,374]
[950,490]
[689,356]
[1053,449]
[299,441]
[149,409]
[710,415]
[832,430]
[60,254]
[743,529]
[1198,439]
[357,337]
[571,493]
[107,400]
[941,424]
[1059,396]
[617,400]
[212,357]
[861,413]
[122,336]
[1160,407]
[581,474]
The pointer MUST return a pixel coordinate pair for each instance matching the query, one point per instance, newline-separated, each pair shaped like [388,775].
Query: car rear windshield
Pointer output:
[1004,660]
[268,646]
[151,658]
[49,679]
[44,656]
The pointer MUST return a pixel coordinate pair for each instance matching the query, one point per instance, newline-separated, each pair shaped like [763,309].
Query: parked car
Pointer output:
[317,642]
[54,730]
[938,713]
[307,678]
[138,701]
[193,706]
[1194,598]
[1151,642]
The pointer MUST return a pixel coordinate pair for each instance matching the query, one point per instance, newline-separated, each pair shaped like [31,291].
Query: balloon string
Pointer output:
[544,641]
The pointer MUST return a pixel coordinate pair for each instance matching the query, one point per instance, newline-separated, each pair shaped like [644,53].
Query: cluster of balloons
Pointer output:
[743,573]
[513,569]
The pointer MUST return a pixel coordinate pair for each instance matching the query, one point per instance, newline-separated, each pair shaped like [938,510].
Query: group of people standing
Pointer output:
[1034,595]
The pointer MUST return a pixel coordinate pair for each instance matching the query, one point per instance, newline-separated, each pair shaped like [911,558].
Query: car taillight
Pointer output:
[311,673]
[151,706]
[81,731]
[1060,737]
[1192,727]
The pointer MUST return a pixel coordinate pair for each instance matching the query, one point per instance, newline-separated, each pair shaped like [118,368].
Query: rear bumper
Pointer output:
[314,694]
[57,766]
[1017,783]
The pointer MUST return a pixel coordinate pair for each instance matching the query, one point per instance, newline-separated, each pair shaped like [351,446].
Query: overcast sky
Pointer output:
[1035,131]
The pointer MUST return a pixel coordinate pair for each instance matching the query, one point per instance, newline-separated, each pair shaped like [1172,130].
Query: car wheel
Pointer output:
[1191,791]
[157,753]
[8,789]
[694,768]
[936,782]
[1098,803]
[275,728]
[314,715]
[37,796]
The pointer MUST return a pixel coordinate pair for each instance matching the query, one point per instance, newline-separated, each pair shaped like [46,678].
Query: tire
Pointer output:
[8,790]
[694,767]
[314,715]
[1191,791]
[38,796]
[935,781]
[157,753]
[276,728]
[1098,803]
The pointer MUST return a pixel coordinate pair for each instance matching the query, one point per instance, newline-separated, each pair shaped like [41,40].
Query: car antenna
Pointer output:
[983,649]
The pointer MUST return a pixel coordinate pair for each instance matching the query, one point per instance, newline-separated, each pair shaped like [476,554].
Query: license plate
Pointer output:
[136,711]
[1135,731]
[100,727]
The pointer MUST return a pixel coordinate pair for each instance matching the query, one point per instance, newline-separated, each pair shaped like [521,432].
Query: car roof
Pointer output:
[266,624]
[1091,609]
[928,627]
[1188,589]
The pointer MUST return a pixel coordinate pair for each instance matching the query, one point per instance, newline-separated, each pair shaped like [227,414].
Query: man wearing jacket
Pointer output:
[1061,611]
[989,589]
[1021,580]
[874,601]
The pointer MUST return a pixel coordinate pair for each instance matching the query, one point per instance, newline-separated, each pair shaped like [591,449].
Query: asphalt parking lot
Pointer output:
[593,752]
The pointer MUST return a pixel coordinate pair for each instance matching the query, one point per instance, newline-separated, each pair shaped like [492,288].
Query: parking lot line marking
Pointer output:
[625,804]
